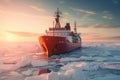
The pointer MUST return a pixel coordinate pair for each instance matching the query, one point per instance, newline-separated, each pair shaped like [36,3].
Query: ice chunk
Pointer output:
[28,72]
[40,77]
[115,66]
[69,59]
[73,64]
[23,61]
[108,77]
[14,73]
[71,74]
[39,62]
[81,64]
[68,72]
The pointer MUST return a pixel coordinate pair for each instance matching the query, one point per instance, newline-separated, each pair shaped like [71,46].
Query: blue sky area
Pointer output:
[99,19]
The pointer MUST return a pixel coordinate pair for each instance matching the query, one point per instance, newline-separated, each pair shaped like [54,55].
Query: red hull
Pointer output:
[56,45]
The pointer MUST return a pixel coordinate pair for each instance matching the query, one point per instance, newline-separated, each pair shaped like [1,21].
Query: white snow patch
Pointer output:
[71,71]
[23,61]
[81,64]
[74,65]
[110,66]
[69,59]
[39,63]
[71,74]
[28,72]
[14,73]
[108,77]
[86,58]
[39,77]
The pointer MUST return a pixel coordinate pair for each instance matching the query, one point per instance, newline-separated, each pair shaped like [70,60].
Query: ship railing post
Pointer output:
[53,28]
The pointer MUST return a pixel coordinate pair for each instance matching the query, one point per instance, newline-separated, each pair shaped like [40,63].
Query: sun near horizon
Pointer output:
[15,37]
[25,20]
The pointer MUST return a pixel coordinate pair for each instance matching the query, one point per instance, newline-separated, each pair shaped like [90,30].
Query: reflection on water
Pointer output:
[44,70]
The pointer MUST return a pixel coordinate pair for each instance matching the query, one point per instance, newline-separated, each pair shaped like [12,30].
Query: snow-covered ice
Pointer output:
[94,61]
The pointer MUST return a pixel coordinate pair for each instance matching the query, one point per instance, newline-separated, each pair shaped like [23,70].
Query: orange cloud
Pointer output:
[24,34]
[7,1]
[12,36]
[36,8]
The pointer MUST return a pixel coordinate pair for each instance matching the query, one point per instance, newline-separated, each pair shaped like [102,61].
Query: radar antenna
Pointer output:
[57,25]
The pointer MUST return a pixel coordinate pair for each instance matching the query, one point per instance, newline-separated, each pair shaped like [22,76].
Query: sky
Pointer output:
[25,20]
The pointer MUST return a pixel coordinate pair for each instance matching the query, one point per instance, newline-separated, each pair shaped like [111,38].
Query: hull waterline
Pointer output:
[56,45]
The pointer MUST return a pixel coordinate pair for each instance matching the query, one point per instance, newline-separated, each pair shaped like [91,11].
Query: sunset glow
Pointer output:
[94,23]
[59,39]
[9,37]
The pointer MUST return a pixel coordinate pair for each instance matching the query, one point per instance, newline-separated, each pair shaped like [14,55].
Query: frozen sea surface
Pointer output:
[94,61]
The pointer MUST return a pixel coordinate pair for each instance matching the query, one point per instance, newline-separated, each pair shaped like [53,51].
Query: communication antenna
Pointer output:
[75,29]
[57,25]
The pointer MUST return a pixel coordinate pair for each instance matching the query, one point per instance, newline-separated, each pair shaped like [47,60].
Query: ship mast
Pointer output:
[53,28]
[75,29]
[57,25]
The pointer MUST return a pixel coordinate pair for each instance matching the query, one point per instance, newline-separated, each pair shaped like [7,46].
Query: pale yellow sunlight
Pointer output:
[7,36]
[10,37]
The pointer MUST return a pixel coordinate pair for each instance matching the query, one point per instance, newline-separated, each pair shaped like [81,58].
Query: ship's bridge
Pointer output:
[58,32]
